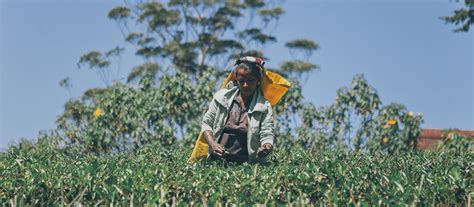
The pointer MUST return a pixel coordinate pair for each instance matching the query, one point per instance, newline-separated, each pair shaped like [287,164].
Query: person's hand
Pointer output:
[264,150]
[217,149]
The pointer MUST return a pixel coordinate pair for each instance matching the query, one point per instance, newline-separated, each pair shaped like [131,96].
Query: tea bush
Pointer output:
[157,175]
[455,142]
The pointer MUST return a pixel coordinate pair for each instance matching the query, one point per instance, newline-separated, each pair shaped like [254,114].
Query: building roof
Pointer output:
[437,133]
[429,138]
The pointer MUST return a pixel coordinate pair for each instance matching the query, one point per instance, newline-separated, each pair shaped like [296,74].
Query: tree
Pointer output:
[358,121]
[463,17]
[185,46]
[194,35]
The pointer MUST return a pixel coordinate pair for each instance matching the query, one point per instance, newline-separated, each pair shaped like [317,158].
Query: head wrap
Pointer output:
[256,60]
[273,85]
[259,62]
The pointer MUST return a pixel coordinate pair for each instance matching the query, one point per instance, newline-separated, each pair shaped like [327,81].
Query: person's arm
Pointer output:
[266,134]
[206,128]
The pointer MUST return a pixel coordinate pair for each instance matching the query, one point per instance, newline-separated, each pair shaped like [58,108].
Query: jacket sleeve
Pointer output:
[209,116]
[266,130]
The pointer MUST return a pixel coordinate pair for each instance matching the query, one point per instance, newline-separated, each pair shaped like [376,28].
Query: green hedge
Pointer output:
[154,175]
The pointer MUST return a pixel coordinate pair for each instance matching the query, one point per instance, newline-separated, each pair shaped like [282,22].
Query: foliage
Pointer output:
[463,17]
[349,121]
[305,45]
[195,35]
[357,121]
[157,175]
[399,129]
[123,118]
[298,66]
[101,62]
[285,115]
[456,143]
[147,70]
[66,84]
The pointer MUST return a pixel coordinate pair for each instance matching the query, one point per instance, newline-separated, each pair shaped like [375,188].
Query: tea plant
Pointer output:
[161,176]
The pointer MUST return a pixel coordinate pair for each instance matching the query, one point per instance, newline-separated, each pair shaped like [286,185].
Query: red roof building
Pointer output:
[429,138]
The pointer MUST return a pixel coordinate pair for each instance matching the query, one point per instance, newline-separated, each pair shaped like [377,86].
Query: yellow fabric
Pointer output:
[273,87]
[230,77]
[200,149]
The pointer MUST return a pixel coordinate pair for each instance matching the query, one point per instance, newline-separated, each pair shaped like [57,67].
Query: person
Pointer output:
[238,126]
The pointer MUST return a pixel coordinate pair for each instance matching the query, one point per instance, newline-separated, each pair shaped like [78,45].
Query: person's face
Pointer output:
[247,82]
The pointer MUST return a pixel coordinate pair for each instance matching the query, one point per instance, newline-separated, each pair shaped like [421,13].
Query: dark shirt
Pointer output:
[234,135]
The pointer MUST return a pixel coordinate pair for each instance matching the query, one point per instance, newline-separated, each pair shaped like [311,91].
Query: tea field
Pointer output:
[158,176]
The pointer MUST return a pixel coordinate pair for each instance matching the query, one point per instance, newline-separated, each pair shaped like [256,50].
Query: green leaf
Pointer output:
[298,66]
[119,12]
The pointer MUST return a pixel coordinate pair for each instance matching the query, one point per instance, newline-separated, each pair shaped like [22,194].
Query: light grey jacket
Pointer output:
[260,119]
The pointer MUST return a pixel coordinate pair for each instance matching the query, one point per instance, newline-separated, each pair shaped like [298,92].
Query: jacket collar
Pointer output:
[225,97]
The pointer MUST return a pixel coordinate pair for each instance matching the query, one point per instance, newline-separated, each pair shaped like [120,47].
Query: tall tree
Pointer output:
[186,46]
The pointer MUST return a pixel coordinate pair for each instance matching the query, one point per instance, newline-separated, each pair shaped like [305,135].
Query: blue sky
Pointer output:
[404,50]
